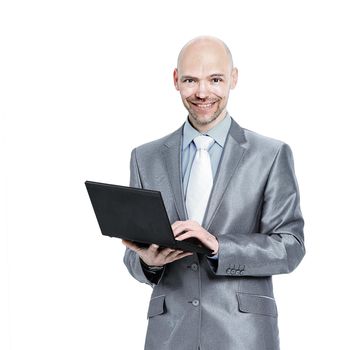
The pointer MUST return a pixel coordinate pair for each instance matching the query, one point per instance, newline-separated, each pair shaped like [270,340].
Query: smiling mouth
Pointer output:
[204,105]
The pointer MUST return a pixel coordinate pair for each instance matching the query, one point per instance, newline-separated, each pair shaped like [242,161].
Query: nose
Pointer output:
[202,90]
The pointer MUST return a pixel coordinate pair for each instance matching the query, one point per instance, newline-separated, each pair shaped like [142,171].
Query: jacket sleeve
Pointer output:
[278,247]
[131,259]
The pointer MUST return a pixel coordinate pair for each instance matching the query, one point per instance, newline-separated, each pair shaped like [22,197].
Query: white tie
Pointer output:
[200,181]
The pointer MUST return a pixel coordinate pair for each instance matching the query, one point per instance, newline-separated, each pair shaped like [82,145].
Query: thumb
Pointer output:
[153,248]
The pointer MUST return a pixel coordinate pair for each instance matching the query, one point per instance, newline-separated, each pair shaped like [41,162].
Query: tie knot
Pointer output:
[203,142]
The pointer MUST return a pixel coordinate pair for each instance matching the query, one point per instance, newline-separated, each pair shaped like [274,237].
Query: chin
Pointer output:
[205,120]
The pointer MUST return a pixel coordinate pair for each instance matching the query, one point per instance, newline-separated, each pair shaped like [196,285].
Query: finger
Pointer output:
[166,252]
[153,248]
[175,224]
[188,225]
[186,235]
[176,253]
[183,254]
[179,229]
[178,256]
[192,225]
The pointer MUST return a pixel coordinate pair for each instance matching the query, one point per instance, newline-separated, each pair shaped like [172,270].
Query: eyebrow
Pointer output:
[215,75]
[183,77]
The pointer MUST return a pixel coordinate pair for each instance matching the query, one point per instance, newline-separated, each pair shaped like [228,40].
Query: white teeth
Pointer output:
[204,105]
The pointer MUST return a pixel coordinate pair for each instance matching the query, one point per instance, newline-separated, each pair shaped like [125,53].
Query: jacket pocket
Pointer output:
[257,304]
[156,306]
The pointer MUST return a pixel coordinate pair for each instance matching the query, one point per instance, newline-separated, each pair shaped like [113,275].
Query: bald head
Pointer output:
[204,77]
[202,45]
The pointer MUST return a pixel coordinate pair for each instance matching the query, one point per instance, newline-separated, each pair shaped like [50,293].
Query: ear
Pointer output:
[234,77]
[176,78]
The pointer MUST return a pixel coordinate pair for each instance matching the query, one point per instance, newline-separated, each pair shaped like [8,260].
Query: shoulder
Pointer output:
[263,144]
[255,139]
[267,150]
[150,148]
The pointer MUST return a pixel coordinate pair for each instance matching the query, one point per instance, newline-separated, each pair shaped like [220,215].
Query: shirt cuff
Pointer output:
[213,257]
[151,268]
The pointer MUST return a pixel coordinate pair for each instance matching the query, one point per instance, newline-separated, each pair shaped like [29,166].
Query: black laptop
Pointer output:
[137,215]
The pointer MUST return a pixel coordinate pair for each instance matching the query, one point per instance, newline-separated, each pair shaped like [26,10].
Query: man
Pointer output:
[240,190]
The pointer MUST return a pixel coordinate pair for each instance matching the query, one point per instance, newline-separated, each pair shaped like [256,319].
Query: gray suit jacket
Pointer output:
[254,212]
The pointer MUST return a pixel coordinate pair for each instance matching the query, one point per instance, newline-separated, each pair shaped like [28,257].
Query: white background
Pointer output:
[84,82]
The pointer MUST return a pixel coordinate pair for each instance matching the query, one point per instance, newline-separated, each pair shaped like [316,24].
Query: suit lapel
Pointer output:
[171,153]
[231,157]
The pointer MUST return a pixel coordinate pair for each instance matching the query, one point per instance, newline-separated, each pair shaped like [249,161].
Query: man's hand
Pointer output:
[189,228]
[156,256]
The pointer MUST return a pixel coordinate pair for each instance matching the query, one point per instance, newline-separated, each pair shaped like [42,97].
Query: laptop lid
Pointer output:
[135,214]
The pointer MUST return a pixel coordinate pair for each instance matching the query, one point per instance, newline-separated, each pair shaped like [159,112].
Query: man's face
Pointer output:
[204,78]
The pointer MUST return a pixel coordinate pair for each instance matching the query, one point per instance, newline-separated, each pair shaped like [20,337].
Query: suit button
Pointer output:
[228,271]
[195,302]
[232,271]
[194,267]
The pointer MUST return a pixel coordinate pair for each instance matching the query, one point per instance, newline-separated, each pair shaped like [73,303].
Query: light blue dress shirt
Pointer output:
[218,133]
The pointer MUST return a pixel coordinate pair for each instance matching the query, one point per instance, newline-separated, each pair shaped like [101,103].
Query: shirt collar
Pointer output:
[218,132]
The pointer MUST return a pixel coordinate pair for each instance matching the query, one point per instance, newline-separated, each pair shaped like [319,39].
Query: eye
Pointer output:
[216,80]
[188,80]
